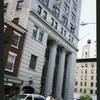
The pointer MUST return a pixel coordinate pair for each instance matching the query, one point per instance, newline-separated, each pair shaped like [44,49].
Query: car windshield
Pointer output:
[18,97]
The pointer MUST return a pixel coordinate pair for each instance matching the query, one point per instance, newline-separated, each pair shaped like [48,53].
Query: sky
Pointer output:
[88,15]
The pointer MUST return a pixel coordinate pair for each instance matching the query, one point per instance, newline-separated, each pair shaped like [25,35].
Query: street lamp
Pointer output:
[82,24]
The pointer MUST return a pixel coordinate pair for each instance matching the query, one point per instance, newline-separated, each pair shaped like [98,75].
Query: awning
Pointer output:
[12,79]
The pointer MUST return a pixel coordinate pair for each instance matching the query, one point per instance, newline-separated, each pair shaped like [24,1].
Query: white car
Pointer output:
[28,97]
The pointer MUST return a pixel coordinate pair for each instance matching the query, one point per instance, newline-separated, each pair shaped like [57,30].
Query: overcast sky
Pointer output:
[88,15]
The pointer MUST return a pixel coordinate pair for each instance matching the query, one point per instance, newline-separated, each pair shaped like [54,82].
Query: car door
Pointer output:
[29,97]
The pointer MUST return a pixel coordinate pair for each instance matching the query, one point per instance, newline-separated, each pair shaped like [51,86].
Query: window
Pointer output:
[92,71]
[72,39]
[81,77]
[80,90]
[33,62]
[64,20]
[16,20]
[74,6]
[76,83]
[61,30]
[10,61]
[81,83]
[41,36]
[92,84]
[5,6]
[82,71]
[15,39]
[73,16]
[46,2]
[69,37]
[45,15]
[84,90]
[92,77]
[72,28]
[56,11]
[82,66]
[64,33]
[19,5]
[39,10]
[56,24]
[35,31]
[77,71]
[86,65]
[52,21]
[85,84]
[85,77]
[66,7]
[92,65]
[85,53]
[91,91]
[85,71]
[75,90]
[95,91]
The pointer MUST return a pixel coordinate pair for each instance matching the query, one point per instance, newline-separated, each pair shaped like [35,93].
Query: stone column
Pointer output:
[69,86]
[60,74]
[50,71]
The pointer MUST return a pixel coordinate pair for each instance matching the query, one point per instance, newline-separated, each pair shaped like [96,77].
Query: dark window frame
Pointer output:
[19,7]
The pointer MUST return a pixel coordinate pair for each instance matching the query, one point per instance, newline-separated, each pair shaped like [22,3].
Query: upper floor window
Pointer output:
[35,31]
[92,71]
[15,39]
[19,5]
[33,61]
[91,91]
[52,21]
[41,36]
[72,28]
[73,16]
[92,65]
[66,7]
[39,10]
[56,24]
[45,15]
[10,61]
[64,33]
[5,6]
[64,20]
[46,2]
[56,11]
[61,30]
[74,6]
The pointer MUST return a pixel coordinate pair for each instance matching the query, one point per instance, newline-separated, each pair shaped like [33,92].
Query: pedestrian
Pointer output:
[50,97]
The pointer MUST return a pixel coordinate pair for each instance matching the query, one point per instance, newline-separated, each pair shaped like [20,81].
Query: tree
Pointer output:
[85,97]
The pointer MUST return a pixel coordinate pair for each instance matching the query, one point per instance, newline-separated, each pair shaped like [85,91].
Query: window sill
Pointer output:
[9,70]
[32,69]
[14,46]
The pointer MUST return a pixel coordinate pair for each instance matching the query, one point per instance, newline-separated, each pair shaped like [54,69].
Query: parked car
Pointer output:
[28,97]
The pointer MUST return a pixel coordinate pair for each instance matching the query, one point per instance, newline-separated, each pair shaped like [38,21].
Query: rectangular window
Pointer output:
[85,77]
[92,84]
[69,37]
[41,36]
[74,6]
[33,62]
[64,33]
[85,71]
[15,39]
[82,71]
[72,28]
[75,90]
[44,15]
[5,6]
[80,90]
[91,91]
[73,16]
[84,90]
[76,83]
[56,24]
[92,77]
[61,30]
[52,21]
[81,83]
[64,20]
[19,5]
[92,71]
[39,10]
[56,11]
[46,2]
[66,7]
[85,84]
[35,31]
[72,39]
[10,61]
